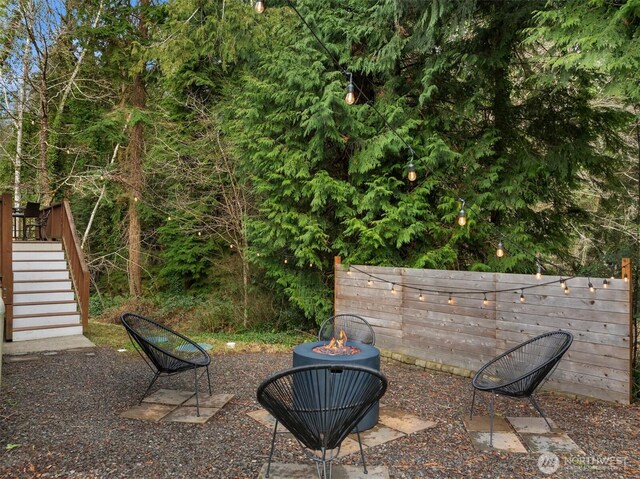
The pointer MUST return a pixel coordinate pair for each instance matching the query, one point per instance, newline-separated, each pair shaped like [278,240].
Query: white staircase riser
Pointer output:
[37,246]
[37,285]
[39,255]
[19,298]
[40,275]
[46,333]
[46,321]
[38,265]
[37,309]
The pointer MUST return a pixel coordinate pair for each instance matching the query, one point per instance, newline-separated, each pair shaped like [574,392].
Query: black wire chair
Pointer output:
[166,352]
[320,405]
[521,370]
[355,327]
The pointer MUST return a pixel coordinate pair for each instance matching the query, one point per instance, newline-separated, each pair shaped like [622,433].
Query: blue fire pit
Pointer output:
[369,356]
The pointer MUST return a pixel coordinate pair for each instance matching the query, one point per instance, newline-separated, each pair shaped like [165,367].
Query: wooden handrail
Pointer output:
[61,226]
[6,262]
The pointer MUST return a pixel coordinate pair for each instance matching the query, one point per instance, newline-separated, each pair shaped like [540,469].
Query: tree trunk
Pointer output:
[17,197]
[44,187]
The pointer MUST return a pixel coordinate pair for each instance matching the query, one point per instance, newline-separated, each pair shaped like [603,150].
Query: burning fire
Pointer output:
[337,344]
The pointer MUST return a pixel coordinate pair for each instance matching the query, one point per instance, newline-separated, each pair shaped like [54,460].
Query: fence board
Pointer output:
[469,333]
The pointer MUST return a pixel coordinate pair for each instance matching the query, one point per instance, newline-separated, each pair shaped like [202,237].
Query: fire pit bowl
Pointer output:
[368,356]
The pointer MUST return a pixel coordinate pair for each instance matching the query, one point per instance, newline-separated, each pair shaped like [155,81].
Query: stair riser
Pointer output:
[42,286]
[36,309]
[46,321]
[46,333]
[37,246]
[19,298]
[38,265]
[39,275]
[38,255]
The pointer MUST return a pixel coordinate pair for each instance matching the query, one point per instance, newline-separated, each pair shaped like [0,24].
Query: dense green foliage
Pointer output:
[257,173]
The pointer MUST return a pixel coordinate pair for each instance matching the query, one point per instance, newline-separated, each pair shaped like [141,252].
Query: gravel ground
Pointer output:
[63,412]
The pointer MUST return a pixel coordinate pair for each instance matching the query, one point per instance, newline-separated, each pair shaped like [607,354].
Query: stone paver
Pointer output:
[379,435]
[532,425]
[482,424]
[148,412]
[504,441]
[402,421]
[213,401]
[303,471]
[189,414]
[62,343]
[556,442]
[168,396]
[267,420]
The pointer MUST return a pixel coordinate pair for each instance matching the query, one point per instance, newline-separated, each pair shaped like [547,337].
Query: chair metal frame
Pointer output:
[527,378]
[320,405]
[167,352]
[331,326]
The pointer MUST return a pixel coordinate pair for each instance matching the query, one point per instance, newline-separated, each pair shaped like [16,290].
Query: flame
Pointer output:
[339,343]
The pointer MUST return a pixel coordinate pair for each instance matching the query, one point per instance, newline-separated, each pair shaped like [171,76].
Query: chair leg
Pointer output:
[473,400]
[535,405]
[364,464]
[273,443]
[155,376]
[209,380]
[491,420]
[195,374]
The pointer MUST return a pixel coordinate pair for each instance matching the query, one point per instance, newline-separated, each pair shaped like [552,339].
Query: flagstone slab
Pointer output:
[482,424]
[504,441]
[168,396]
[403,421]
[532,425]
[189,414]
[556,442]
[267,420]
[148,411]
[378,435]
[214,401]
[308,471]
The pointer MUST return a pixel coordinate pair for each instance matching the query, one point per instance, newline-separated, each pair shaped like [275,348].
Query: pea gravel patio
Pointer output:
[60,417]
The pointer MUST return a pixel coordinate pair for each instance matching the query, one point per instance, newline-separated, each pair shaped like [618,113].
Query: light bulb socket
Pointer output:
[411,171]
[462,217]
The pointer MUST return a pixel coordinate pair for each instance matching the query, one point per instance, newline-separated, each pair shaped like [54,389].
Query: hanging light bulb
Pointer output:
[420,296]
[259,6]
[135,198]
[500,250]
[257,254]
[200,234]
[485,301]
[605,284]
[411,171]
[539,268]
[393,287]
[231,246]
[286,261]
[567,290]
[462,215]
[350,98]
[522,296]
[310,265]
[591,288]
[369,282]
[563,283]
[450,300]
[168,218]
[626,278]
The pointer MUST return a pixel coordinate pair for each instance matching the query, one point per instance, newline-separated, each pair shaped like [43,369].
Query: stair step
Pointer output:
[44,274]
[38,256]
[45,320]
[40,333]
[41,285]
[21,297]
[35,265]
[37,246]
[33,309]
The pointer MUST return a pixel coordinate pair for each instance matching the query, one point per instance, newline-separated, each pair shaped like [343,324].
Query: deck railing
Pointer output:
[61,226]
[6,265]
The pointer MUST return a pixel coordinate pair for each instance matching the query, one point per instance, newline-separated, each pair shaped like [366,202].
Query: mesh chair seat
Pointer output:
[519,371]
[320,405]
[166,351]
[356,328]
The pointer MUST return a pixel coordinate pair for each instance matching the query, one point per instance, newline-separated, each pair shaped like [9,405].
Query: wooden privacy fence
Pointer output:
[464,333]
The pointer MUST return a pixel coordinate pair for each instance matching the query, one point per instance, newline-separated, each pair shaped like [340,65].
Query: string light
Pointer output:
[286,261]
[591,288]
[421,297]
[411,171]
[566,289]
[522,296]
[350,97]
[605,283]
[200,234]
[135,199]
[462,215]
[369,281]
[485,301]
[500,250]
[450,300]
[563,283]
[393,287]
[626,278]
[231,246]
[259,6]
[539,266]
[168,218]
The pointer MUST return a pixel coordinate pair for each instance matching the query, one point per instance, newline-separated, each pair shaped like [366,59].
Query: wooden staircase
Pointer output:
[44,301]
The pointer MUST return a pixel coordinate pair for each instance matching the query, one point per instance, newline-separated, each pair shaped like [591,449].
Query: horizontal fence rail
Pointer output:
[441,317]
